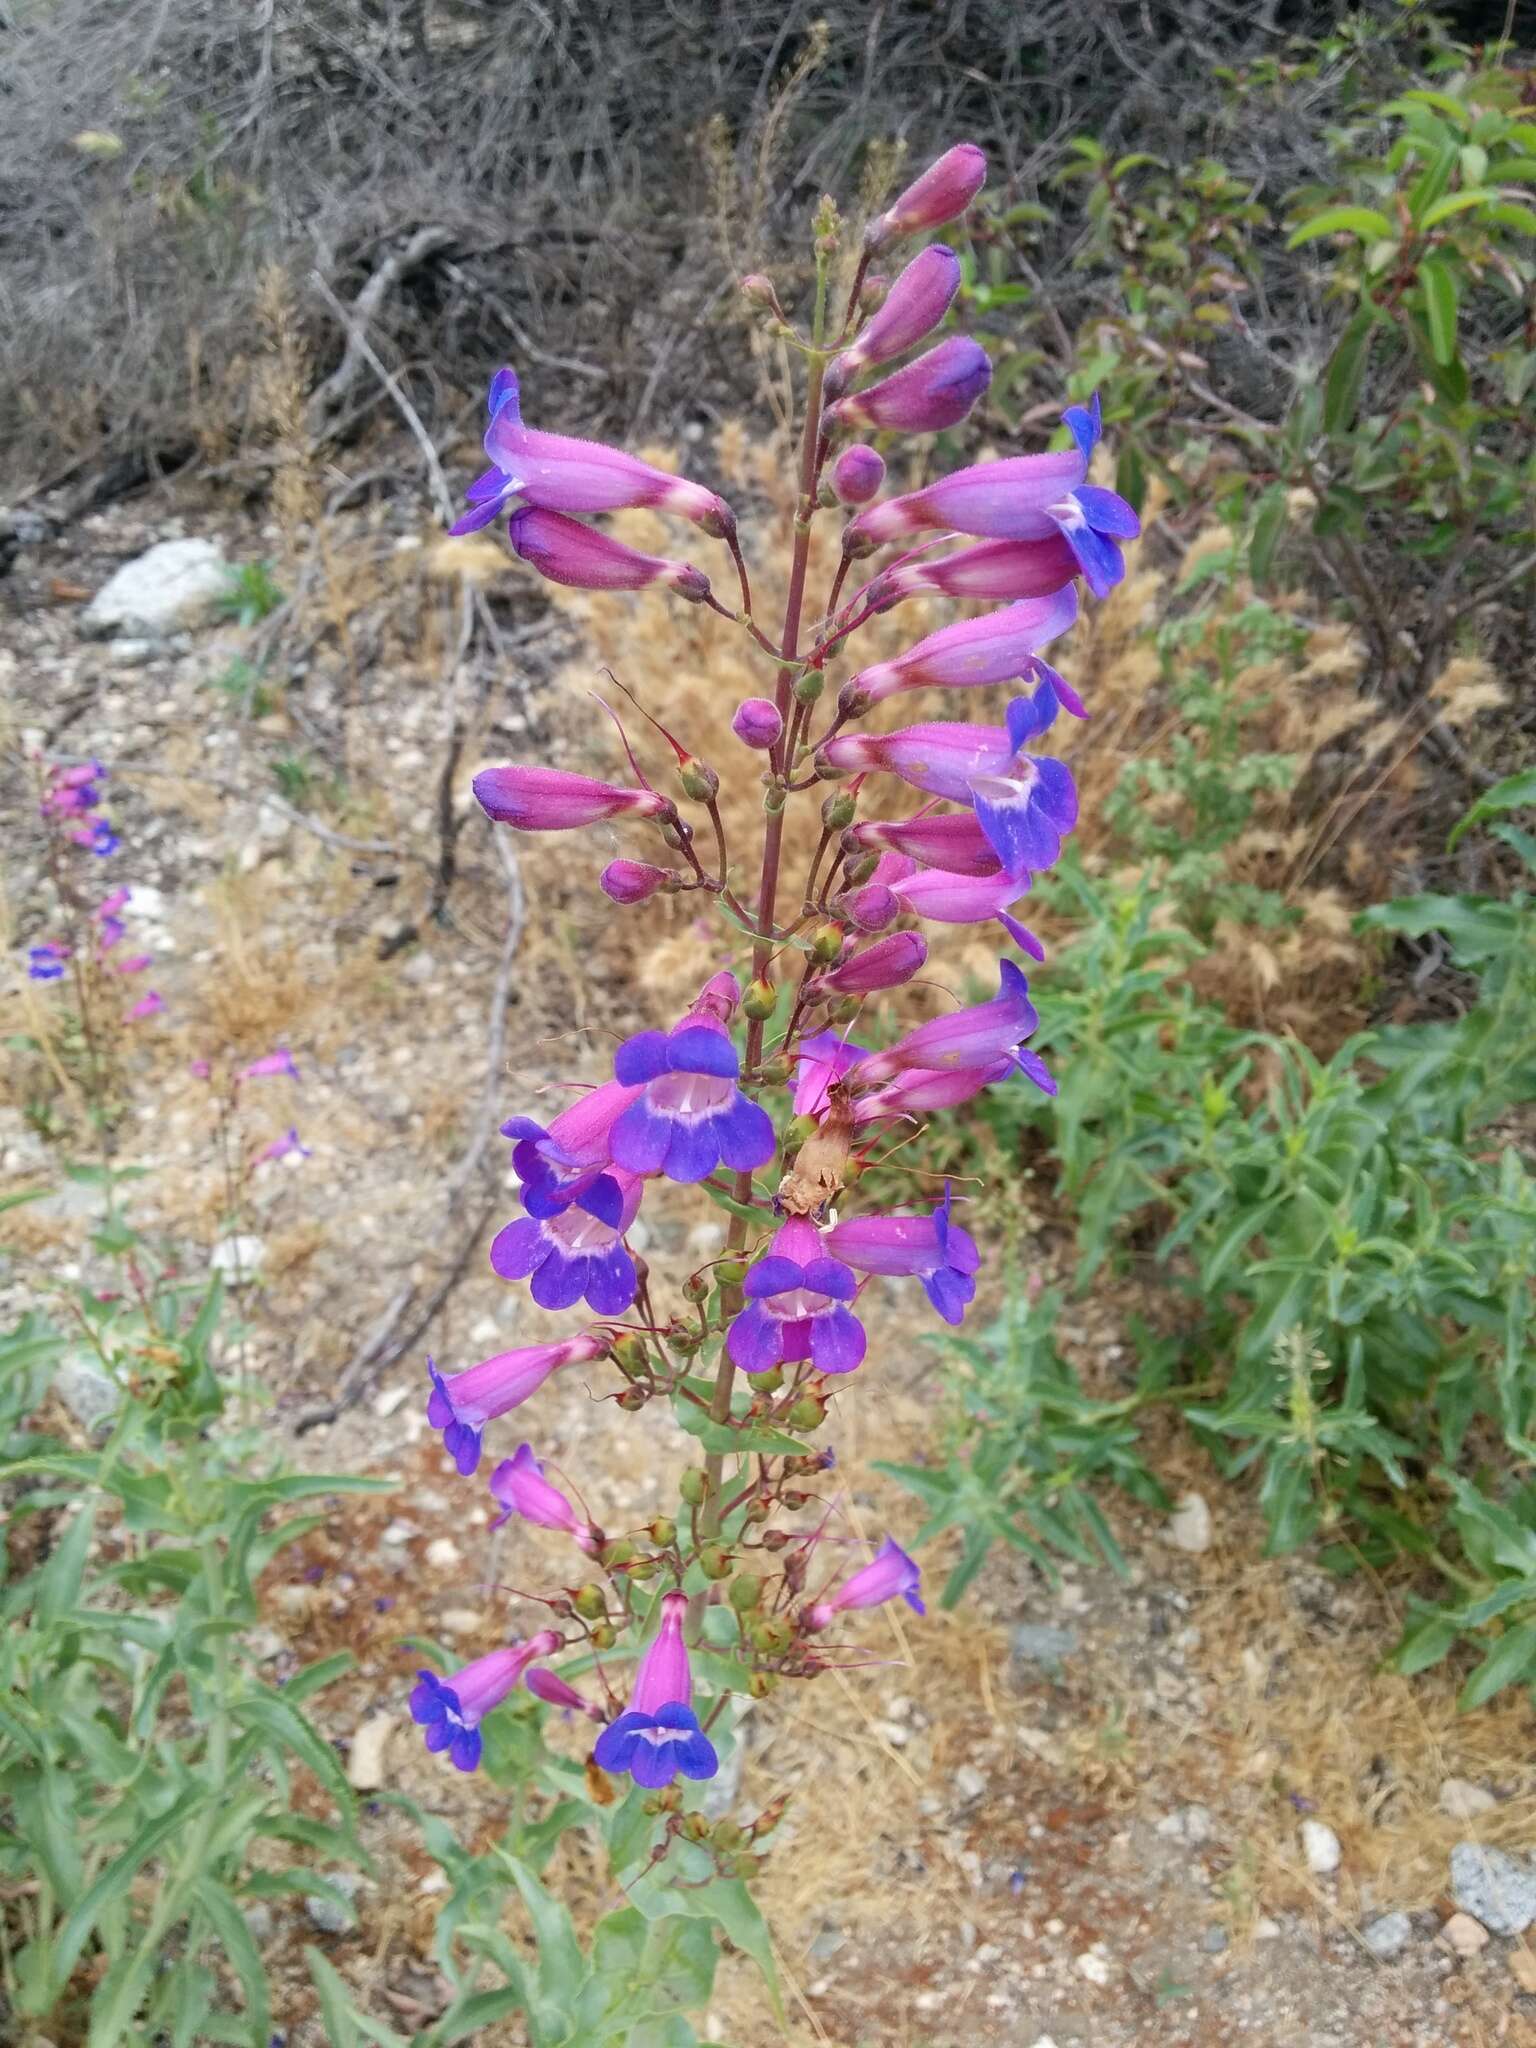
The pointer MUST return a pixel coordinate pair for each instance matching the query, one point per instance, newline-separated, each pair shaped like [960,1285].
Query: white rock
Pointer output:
[177,583]
[1388,1936]
[365,1761]
[134,654]
[969,1782]
[1189,1526]
[1265,1929]
[1463,1800]
[1094,1967]
[460,1621]
[1320,1846]
[442,1552]
[1463,1935]
[327,1914]
[238,1259]
[398,1532]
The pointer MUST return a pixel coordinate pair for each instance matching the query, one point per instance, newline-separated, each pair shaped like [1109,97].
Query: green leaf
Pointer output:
[58,1584]
[1424,1643]
[1455,202]
[1344,220]
[1346,373]
[114,1881]
[1512,1658]
[287,1727]
[1515,793]
[1438,282]
[1511,213]
[1268,525]
[335,2001]
[240,1950]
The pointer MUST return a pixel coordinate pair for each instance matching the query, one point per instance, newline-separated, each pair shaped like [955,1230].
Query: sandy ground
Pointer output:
[986,1845]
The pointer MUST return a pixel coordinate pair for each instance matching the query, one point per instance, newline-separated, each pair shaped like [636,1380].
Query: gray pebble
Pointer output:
[1494,1887]
[1388,1936]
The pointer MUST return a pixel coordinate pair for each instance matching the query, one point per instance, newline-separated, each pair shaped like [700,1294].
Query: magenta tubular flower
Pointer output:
[557,1164]
[690,1116]
[288,1146]
[577,1253]
[933,1249]
[797,1308]
[279,1062]
[869,908]
[148,1005]
[925,397]
[46,962]
[958,899]
[558,473]
[757,723]
[109,932]
[551,1688]
[923,1091]
[633,881]
[1023,497]
[941,194]
[111,905]
[550,800]
[464,1402]
[659,1736]
[857,474]
[996,648]
[951,840]
[889,1572]
[996,569]
[912,308]
[519,1485]
[976,1037]
[451,1709]
[886,964]
[820,1061]
[565,551]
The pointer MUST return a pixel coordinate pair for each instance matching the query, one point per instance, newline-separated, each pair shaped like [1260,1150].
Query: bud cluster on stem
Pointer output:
[735,1577]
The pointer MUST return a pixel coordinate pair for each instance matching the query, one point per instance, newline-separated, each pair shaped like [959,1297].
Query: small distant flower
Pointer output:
[578,1252]
[550,1687]
[111,905]
[659,1736]
[450,1710]
[857,474]
[797,1308]
[565,551]
[278,1062]
[889,1572]
[134,963]
[109,932]
[941,194]
[462,1403]
[551,800]
[519,1485]
[200,1069]
[46,962]
[933,1249]
[976,1038]
[923,397]
[103,839]
[757,723]
[288,1146]
[149,1005]
[690,1116]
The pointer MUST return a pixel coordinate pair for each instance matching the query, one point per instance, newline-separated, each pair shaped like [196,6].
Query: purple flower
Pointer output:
[575,1251]
[941,194]
[288,1146]
[633,881]
[450,1710]
[797,1308]
[947,898]
[550,800]
[886,964]
[519,1485]
[998,568]
[995,648]
[1023,497]
[279,1062]
[659,1736]
[857,474]
[148,1005]
[109,932]
[869,908]
[559,473]
[556,1164]
[889,1572]
[913,307]
[924,1090]
[111,905]
[46,962]
[932,1248]
[820,1061]
[565,551]
[462,1404]
[134,963]
[977,1038]
[924,397]
[690,1116]
[550,1687]
[951,840]
[757,723]
[102,840]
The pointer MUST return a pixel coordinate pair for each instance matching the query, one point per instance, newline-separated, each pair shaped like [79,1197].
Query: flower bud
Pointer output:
[695,1827]
[925,397]
[714,1561]
[757,723]
[910,310]
[746,1592]
[886,964]
[768,1382]
[647,1568]
[631,1355]
[664,1531]
[698,782]
[808,687]
[758,1509]
[614,1556]
[870,908]
[584,558]
[827,942]
[839,811]
[858,474]
[759,291]
[772,1634]
[941,194]
[861,864]
[760,1684]
[731,1272]
[632,881]
[696,1287]
[775,1539]
[809,1412]
[604,1636]
[727,1834]
[694,1486]
[632,1399]
[760,999]
[590,1602]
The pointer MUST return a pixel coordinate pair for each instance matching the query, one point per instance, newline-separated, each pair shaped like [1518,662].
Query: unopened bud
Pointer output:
[646,1568]
[758,1509]
[826,945]
[630,1354]
[795,1499]
[778,1069]
[731,1272]
[760,999]
[632,1399]
[857,474]
[839,810]
[694,1486]
[768,1382]
[872,292]
[696,1287]
[664,1532]
[809,1412]
[761,1683]
[746,1592]
[756,723]
[775,1539]
[759,290]
[715,1561]
[698,782]
[604,1636]
[695,1827]
[633,881]
[590,1602]
[613,1555]
[808,687]
[727,1834]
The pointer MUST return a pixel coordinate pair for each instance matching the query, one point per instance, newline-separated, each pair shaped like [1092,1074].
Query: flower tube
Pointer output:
[996,648]
[519,1486]
[913,307]
[941,194]
[922,1091]
[889,1573]
[565,551]
[464,1402]
[888,963]
[951,840]
[550,1687]
[925,397]
[975,1037]
[995,569]
[819,1062]
[551,800]
[933,1249]
[659,1737]
[577,1253]
[557,1163]
[450,1710]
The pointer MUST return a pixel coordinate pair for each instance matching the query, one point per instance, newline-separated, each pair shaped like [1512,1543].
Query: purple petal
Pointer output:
[489,486]
[1034,1069]
[693,1152]
[1107,512]
[831,1277]
[697,1050]
[755,1340]
[645,1057]
[617,1744]
[653,1764]
[773,1275]
[837,1341]
[465,1749]
[611,1282]
[604,1199]
[1021,936]
[640,1138]
[519,1249]
[562,1280]
[1100,560]
[1083,425]
[744,1133]
[472,520]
